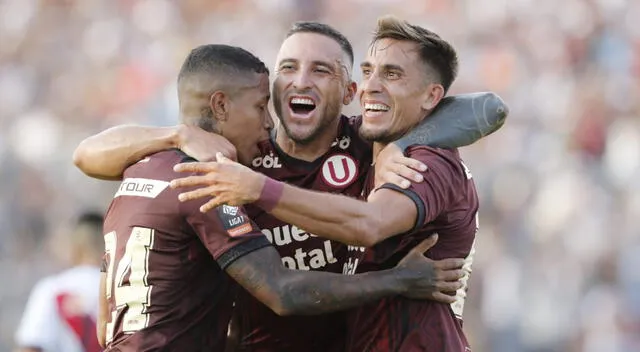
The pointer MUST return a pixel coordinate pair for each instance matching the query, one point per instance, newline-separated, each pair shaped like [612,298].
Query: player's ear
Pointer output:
[433,94]
[350,93]
[219,104]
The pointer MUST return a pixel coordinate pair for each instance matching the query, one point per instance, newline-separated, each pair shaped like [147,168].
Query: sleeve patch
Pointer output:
[240,230]
[234,221]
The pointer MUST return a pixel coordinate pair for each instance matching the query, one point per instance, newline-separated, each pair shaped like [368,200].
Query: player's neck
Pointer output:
[309,151]
[377,148]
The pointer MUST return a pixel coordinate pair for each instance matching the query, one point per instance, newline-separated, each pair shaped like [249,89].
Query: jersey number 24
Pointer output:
[128,286]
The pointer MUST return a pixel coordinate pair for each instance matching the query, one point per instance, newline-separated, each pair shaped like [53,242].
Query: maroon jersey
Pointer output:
[342,169]
[165,261]
[447,204]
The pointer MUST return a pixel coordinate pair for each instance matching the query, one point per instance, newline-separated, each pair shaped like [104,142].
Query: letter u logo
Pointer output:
[332,171]
[339,170]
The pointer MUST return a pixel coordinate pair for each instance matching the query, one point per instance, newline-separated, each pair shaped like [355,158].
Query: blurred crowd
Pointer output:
[558,258]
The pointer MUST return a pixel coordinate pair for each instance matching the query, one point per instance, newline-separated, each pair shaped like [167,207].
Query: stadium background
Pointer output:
[558,257]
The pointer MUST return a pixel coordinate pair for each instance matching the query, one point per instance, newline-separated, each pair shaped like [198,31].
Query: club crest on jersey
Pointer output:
[339,170]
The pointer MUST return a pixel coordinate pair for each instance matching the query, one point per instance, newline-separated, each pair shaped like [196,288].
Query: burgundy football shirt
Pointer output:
[342,170]
[165,262]
[447,204]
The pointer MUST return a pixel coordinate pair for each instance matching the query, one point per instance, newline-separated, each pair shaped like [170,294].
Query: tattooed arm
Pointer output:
[300,292]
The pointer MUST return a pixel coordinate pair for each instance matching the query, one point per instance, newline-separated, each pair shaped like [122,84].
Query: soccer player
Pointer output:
[314,147]
[165,260]
[61,312]
[407,71]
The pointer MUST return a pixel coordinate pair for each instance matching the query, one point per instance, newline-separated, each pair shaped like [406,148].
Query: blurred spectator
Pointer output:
[61,313]
[560,211]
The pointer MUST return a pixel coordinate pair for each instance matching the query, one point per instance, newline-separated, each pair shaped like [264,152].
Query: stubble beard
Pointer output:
[333,110]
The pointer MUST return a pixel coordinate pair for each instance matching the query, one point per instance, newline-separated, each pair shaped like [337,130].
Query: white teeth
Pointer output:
[377,107]
[303,101]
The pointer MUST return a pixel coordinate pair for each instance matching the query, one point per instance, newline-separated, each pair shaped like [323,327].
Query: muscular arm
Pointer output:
[346,219]
[459,120]
[387,212]
[107,154]
[328,215]
[300,292]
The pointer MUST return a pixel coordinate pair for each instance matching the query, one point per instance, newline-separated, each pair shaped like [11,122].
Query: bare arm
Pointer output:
[331,216]
[300,292]
[389,211]
[103,311]
[107,154]
[346,219]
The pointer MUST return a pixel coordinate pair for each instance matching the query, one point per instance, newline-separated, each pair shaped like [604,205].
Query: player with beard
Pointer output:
[165,260]
[314,147]
[407,71]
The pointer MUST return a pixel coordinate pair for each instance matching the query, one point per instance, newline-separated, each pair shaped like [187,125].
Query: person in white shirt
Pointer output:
[62,309]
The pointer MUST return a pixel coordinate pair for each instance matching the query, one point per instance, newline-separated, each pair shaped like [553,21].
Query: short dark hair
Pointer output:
[91,218]
[220,59]
[221,65]
[434,51]
[89,230]
[323,29]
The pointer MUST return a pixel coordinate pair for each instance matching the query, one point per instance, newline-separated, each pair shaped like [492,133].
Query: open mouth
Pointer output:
[375,107]
[302,105]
